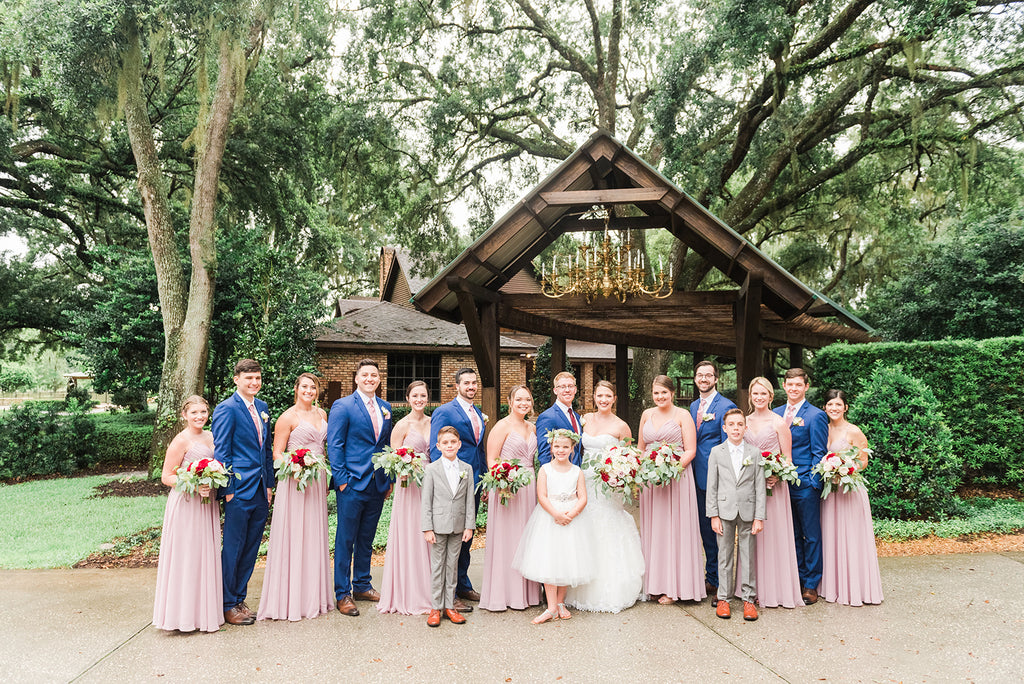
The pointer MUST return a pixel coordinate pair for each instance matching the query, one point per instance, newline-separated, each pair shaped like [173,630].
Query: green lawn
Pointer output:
[55,523]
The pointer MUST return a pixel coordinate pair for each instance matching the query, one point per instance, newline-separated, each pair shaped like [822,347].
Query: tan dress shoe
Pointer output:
[346,606]
[370,594]
[236,616]
[246,609]
[749,611]
[454,616]
[810,596]
[461,606]
[434,619]
[468,594]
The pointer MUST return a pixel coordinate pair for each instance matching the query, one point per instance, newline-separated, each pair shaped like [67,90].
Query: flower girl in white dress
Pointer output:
[556,548]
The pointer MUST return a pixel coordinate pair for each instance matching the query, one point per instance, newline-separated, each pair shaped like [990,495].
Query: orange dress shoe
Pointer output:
[722,610]
[454,616]
[434,619]
[749,611]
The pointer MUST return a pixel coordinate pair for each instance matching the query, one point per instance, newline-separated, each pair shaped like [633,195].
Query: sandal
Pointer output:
[563,612]
[666,600]
[545,617]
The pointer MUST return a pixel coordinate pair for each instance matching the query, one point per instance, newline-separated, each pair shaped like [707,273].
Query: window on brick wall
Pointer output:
[404,368]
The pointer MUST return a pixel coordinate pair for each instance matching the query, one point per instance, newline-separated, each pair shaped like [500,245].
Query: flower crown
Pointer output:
[562,433]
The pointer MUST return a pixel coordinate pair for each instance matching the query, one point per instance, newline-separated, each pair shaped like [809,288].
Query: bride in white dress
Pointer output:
[620,562]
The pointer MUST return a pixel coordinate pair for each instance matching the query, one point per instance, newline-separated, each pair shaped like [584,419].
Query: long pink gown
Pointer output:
[669,531]
[189,590]
[299,579]
[503,586]
[775,568]
[850,572]
[405,584]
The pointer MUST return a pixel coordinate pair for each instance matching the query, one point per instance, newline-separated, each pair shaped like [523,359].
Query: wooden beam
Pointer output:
[578,303]
[578,225]
[609,196]
[622,381]
[458,284]
[477,334]
[787,333]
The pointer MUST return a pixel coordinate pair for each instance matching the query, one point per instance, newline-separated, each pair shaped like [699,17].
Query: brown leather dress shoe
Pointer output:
[710,589]
[454,616]
[246,609]
[346,606]
[810,596]
[434,619]
[749,611]
[468,594]
[236,616]
[722,610]
[462,606]
[370,594]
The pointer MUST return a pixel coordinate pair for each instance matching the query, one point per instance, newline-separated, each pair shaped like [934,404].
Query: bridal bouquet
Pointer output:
[206,471]
[506,478]
[661,464]
[841,470]
[777,465]
[302,465]
[619,470]
[401,464]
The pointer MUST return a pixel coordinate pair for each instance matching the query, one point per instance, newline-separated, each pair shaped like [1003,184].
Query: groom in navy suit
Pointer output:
[241,441]
[809,427]
[359,426]
[469,421]
[560,415]
[707,415]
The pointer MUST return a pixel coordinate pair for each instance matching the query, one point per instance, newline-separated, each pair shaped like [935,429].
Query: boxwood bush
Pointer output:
[38,438]
[979,385]
[123,438]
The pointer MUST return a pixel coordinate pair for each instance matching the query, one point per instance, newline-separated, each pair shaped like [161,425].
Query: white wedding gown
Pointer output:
[619,581]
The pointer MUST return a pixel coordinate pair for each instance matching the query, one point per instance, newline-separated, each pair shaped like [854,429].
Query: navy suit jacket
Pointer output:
[471,451]
[236,444]
[553,419]
[351,445]
[810,441]
[709,435]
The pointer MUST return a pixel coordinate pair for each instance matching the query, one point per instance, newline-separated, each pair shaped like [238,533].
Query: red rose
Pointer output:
[765,454]
[201,465]
[851,470]
[608,460]
[604,476]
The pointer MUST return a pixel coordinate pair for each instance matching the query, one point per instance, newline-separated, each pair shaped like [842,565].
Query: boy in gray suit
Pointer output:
[735,504]
[449,519]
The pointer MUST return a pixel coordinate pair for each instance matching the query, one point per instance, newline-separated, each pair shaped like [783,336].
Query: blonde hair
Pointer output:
[763,382]
[516,388]
[194,399]
[561,376]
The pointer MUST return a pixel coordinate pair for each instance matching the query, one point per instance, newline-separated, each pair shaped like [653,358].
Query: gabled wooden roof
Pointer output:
[605,172]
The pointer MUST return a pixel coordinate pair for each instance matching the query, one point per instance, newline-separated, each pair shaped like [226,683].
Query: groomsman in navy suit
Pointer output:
[809,427]
[359,426]
[707,415]
[241,441]
[470,422]
[560,415]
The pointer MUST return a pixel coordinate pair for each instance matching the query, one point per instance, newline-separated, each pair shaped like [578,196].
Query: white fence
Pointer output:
[13,398]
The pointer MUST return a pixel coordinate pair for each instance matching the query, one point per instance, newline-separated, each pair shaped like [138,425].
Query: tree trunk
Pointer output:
[647,363]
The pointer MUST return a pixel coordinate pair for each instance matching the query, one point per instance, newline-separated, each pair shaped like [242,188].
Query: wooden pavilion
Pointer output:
[769,309]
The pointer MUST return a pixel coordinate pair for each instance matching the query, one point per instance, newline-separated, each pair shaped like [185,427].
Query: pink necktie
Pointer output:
[788,418]
[476,423]
[256,420]
[374,417]
[700,410]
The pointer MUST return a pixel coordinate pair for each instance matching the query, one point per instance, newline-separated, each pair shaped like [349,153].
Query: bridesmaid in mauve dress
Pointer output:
[511,437]
[189,590]
[776,571]
[299,580]
[405,584]
[850,572]
[669,530]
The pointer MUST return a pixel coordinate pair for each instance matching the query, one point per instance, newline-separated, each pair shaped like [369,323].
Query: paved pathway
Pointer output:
[945,618]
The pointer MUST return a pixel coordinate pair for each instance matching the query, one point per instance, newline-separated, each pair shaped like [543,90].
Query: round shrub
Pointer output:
[45,438]
[913,470]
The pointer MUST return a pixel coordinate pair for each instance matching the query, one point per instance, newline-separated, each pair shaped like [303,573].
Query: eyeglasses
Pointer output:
[565,387]
[704,376]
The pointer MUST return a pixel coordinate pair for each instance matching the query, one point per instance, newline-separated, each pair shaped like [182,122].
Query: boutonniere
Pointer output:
[746,461]
[798,421]
[264,416]
[387,414]
[484,416]
[462,474]
[583,421]
[708,417]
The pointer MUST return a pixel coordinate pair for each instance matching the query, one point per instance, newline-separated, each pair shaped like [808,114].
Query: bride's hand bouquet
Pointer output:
[402,464]
[506,478]
[618,469]
[841,469]
[777,465]
[207,472]
[302,465]
[661,464]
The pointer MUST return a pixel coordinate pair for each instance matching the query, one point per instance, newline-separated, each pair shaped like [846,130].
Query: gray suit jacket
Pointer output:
[443,511]
[729,498]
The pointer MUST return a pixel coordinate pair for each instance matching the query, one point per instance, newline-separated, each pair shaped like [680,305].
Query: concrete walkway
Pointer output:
[945,618]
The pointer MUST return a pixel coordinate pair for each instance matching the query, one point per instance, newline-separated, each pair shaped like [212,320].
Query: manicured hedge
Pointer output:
[123,438]
[45,438]
[979,384]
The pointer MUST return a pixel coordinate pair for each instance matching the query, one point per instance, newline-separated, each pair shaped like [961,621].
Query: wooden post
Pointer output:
[557,355]
[747,316]
[796,356]
[622,381]
[490,398]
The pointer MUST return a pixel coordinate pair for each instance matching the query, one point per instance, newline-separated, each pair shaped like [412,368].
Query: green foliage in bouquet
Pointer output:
[913,470]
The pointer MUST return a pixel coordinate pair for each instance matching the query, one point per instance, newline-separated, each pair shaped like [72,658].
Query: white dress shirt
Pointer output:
[736,452]
[451,471]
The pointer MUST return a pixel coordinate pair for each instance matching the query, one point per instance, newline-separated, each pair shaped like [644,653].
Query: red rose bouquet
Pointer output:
[401,464]
[777,465]
[841,470]
[205,472]
[302,465]
[506,478]
[661,463]
[618,470]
